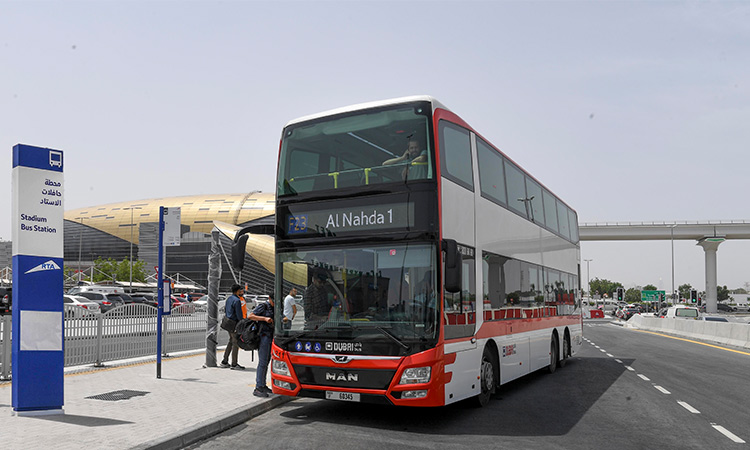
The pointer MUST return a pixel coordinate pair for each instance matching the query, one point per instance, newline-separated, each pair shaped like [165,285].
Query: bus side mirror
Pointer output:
[453,266]
[238,252]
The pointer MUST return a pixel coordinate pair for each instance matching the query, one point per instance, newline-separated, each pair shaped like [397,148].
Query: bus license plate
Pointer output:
[345,396]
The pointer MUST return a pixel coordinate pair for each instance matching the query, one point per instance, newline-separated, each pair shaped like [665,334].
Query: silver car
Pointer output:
[76,306]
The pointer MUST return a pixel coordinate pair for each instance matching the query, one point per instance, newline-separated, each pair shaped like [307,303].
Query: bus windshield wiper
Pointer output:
[338,327]
[393,338]
[293,337]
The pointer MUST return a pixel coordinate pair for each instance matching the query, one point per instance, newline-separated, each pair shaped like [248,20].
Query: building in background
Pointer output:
[110,231]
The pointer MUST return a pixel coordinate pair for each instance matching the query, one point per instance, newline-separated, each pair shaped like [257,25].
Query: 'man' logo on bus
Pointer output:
[340,376]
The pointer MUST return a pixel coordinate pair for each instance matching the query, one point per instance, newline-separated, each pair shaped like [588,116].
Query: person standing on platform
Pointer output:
[263,313]
[233,311]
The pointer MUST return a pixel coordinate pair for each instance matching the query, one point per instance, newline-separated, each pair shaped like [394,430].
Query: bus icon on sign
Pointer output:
[55,158]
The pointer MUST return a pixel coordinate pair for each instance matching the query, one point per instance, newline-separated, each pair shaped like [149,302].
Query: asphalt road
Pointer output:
[625,390]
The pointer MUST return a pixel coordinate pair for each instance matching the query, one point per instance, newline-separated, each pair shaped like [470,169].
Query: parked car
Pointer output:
[6,300]
[102,289]
[126,299]
[140,299]
[152,299]
[177,301]
[105,301]
[193,296]
[82,304]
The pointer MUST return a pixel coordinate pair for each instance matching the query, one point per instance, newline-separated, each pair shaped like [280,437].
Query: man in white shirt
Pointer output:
[290,309]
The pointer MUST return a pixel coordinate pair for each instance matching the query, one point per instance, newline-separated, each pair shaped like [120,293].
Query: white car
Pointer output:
[682,312]
[80,305]
[203,302]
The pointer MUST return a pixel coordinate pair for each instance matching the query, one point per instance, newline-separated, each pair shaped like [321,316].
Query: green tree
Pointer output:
[649,287]
[602,286]
[112,270]
[684,290]
[633,295]
[722,293]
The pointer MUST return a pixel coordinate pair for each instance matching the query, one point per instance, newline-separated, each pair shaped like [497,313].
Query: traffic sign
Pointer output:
[651,296]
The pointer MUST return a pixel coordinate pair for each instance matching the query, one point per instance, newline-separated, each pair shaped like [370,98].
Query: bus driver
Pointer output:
[416,161]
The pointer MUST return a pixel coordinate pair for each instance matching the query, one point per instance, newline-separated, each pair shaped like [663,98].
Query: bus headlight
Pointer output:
[280,368]
[414,375]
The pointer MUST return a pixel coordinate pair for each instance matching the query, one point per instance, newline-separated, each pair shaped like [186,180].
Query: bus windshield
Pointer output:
[384,293]
[375,147]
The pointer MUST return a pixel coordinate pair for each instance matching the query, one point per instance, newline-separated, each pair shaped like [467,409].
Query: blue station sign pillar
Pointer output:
[37,216]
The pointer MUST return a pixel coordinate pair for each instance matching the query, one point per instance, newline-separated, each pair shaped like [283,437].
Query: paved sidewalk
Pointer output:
[188,403]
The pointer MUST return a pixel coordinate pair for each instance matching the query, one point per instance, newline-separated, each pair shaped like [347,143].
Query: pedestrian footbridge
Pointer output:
[707,234]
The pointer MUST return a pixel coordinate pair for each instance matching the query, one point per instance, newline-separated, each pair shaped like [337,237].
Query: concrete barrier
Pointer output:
[729,333]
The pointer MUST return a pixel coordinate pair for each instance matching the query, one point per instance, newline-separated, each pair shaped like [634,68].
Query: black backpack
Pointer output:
[248,334]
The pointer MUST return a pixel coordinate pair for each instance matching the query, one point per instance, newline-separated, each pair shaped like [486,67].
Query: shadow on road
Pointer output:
[540,404]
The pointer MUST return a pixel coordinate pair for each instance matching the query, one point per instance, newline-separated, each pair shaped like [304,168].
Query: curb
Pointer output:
[212,427]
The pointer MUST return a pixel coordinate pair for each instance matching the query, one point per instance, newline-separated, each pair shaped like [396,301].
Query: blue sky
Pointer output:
[630,111]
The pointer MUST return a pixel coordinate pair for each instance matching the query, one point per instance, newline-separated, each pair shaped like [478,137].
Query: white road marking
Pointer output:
[728,433]
[661,389]
[643,377]
[688,407]
[597,346]
[610,355]
[619,361]
[630,368]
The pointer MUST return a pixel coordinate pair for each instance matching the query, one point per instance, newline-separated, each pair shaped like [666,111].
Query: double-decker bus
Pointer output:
[432,268]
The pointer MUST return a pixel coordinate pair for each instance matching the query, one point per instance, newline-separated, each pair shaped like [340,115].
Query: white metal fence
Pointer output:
[123,332]
[5,330]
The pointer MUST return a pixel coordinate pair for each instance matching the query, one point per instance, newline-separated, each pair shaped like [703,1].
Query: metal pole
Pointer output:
[131,249]
[160,281]
[671,232]
[588,275]
[80,242]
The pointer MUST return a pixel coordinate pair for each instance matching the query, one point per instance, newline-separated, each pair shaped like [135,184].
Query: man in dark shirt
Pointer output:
[316,302]
[263,313]
[233,310]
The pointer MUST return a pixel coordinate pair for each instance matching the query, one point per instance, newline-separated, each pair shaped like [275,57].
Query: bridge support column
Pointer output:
[710,246]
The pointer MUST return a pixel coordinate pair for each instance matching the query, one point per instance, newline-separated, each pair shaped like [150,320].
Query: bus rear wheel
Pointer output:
[553,355]
[487,378]
[566,352]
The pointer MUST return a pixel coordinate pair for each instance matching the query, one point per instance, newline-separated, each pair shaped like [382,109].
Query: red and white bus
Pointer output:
[432,267]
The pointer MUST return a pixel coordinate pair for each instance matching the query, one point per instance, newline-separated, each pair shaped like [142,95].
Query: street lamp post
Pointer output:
[671,232]
[80,242]
[131,244]
[588,276]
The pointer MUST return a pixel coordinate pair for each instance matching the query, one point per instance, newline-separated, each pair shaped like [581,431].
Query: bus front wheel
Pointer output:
[487,378]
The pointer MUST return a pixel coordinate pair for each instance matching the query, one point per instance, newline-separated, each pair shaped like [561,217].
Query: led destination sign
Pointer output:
[363,218]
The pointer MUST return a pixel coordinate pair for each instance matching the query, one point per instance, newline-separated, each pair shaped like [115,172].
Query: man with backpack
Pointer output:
[233,312]
[263,313]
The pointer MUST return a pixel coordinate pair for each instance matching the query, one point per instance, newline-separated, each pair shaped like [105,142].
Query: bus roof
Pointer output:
[393,101]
